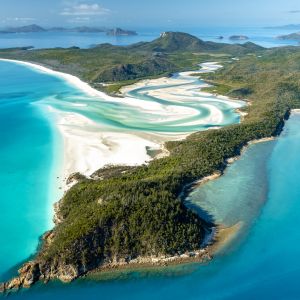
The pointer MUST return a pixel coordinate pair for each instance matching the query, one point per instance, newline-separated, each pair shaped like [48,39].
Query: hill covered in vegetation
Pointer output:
[117,66]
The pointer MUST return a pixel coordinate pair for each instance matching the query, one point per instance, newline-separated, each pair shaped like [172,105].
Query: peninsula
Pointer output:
[124,214]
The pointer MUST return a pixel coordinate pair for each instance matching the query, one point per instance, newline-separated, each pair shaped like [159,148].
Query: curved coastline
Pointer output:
[69,78]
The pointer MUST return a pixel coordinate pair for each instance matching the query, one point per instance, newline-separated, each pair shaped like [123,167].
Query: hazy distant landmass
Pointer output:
[24,29]
[78,29]
[120,32]
[82,29]
[293,36]
[288,26]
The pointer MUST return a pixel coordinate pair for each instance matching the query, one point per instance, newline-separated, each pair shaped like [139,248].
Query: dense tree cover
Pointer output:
[127,212]
[155,66]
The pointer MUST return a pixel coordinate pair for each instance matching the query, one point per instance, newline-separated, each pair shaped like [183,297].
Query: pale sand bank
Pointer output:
[207,179]
[263,140]
[183,88]
[224,236]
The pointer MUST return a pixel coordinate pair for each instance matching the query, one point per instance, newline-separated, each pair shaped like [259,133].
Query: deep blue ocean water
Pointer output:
[261,36]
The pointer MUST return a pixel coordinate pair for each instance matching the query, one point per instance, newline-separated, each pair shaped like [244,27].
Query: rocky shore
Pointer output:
[34,271]
[37,270]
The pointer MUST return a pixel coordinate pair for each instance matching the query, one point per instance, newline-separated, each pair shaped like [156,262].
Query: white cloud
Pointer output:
[85,9]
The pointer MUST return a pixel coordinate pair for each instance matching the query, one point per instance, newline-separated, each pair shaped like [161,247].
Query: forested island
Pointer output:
[124,213]
[292,36]
[238,38]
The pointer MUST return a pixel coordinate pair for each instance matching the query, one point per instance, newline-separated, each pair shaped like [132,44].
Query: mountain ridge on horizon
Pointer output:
[88,29]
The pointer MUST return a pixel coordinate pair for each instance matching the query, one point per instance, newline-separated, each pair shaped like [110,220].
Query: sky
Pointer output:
[134,14]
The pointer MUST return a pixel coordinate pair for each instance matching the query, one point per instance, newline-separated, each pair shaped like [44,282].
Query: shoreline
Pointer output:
[76,81]
[221,238]
[199,255]
[231,160]
[217,174]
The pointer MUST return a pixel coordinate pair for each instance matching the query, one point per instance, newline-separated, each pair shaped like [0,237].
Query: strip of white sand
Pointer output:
[87,147]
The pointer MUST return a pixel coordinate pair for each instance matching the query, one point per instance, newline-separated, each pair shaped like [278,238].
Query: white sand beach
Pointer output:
[88,147]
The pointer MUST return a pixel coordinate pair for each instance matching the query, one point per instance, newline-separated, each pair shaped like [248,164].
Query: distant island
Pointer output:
[23,29]
[288,26]
[293,36]
[82,29]
[238,38]
[120,32]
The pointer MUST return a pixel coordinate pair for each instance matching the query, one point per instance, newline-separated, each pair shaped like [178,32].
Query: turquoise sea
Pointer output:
[261,190]
[27,160]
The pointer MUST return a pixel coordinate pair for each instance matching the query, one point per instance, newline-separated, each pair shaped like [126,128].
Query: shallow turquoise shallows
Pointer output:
[31,149]
[264,265]
[26,159]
